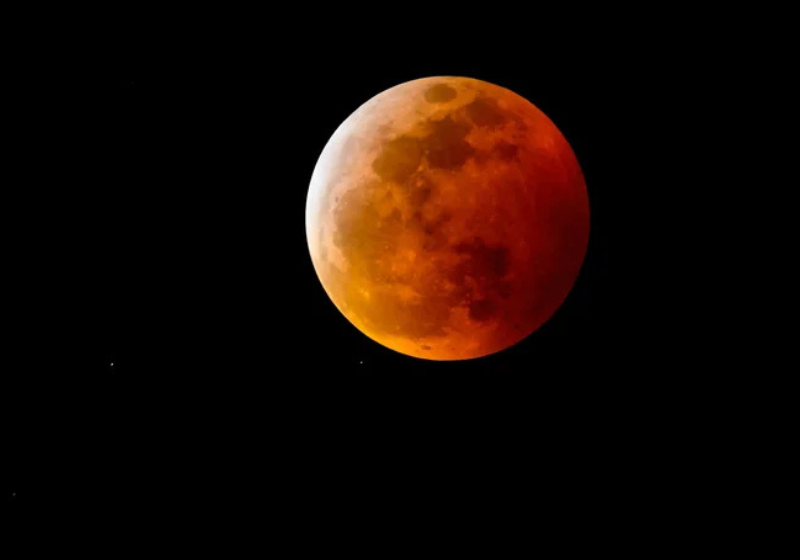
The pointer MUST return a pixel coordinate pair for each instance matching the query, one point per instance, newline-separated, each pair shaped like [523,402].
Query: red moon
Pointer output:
[447,218]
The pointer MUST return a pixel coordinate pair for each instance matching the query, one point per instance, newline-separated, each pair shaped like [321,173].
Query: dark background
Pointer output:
[170,241]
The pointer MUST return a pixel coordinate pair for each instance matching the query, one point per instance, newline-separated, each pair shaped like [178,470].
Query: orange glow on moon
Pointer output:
[447,218]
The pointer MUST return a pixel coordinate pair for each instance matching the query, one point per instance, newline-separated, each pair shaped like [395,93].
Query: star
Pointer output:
[112,364]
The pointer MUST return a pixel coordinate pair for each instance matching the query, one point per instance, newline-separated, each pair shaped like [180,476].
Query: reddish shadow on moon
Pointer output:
[447,218]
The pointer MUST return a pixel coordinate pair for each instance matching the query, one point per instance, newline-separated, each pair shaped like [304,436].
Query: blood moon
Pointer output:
[447,218]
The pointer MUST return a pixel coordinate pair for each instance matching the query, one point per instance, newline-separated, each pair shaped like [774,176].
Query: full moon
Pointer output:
[447,218]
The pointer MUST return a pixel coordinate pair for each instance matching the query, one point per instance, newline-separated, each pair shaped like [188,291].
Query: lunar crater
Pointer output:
[440,93]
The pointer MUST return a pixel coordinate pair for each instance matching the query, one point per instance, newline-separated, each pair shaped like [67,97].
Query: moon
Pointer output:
[447,218]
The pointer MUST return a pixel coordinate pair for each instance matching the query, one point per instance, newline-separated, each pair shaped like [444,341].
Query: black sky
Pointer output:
[172,232]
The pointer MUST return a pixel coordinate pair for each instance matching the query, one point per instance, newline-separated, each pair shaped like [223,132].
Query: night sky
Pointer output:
[199,367]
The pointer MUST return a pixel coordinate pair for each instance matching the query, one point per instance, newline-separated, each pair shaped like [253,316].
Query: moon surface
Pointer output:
[447,218]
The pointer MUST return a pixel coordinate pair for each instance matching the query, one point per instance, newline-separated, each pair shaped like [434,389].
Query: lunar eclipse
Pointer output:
[447,218]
